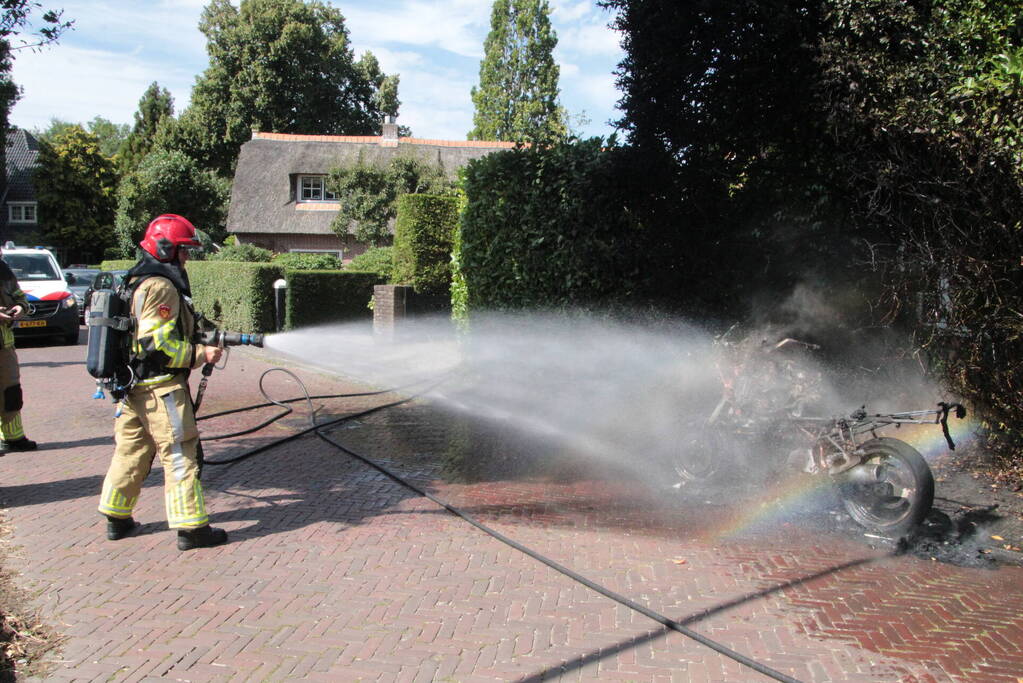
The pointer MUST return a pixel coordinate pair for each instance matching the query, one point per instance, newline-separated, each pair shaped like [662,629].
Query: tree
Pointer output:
[734,109]
[368,194]
[277,65]
[15,16]
[75,185]
[111,135]
[155,105]
[517,96]
[932,154]
[883,136]
[169,182]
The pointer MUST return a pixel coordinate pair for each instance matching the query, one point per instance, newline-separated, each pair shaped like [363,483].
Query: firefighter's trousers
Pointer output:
[156,421]
[10,400]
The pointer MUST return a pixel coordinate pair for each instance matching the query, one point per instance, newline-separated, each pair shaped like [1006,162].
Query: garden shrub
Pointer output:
[244,253]
[379,260]
[423,238]
[299,261]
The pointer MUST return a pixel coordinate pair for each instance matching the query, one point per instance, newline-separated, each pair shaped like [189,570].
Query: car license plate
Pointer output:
[30,323]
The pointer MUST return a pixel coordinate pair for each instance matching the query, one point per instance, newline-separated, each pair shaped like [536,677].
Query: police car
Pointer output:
[52,309]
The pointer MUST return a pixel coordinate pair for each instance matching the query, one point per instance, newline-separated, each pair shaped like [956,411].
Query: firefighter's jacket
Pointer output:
[162,346]
[10,295]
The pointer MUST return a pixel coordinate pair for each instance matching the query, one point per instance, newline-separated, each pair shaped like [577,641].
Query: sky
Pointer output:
[118,47]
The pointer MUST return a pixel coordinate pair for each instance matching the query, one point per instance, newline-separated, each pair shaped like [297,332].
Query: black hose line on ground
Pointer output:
[575,576]
[312,413]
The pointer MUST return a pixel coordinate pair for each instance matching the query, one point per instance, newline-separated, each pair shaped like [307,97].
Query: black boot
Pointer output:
[21,444]
[118,527]
[203,537]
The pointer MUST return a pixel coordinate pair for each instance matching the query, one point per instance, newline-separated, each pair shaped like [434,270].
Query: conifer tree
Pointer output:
[156,104]
[517,96]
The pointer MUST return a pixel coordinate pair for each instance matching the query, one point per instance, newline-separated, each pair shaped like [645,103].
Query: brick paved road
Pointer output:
[336,573]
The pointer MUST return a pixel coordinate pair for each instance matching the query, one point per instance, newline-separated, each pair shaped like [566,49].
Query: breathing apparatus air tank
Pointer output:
[106,359]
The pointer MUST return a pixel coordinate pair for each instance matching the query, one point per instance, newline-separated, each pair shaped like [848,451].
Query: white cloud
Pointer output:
[589,39]
[600,90]
[436,103]
[393,61]
[77,84]
[119,47]
[457,26]
[566,11]
[568,70]
[103,66]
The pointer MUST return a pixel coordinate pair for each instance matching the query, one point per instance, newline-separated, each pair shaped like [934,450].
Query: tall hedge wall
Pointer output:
[237,296]
[317,297]
[423,236]
[550,227]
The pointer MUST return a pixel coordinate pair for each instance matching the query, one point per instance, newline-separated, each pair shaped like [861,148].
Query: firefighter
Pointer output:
[157,419]
[13,305]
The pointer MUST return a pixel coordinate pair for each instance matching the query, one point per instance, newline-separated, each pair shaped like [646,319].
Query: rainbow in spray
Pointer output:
[784,500]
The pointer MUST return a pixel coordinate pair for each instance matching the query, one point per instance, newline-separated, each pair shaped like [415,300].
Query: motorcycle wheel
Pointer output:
[898,493]
[699,457]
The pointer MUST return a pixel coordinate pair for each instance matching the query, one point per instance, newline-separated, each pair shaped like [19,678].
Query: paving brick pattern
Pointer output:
[335,572]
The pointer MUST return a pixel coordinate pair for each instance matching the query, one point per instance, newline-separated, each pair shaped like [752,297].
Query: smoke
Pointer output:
[862,363]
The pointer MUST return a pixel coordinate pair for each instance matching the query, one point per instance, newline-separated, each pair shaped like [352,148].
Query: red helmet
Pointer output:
[166,234]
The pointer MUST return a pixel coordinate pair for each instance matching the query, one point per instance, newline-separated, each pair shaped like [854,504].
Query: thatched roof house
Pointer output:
[279,198]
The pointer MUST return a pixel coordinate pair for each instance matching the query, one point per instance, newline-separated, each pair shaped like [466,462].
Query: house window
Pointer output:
[313,188]
[21,212]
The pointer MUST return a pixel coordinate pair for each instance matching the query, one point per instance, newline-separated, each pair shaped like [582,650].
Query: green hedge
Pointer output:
[379,260]
[423,237]
[551,227]
[237,296]
[117,264]
[304,261]
[318,297]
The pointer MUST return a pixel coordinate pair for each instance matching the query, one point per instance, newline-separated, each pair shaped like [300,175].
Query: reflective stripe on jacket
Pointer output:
[163,332]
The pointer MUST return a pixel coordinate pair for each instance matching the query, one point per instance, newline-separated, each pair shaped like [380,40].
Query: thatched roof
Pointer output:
[263,193]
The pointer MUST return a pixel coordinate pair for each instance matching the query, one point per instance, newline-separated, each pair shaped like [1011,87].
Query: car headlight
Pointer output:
[69,302]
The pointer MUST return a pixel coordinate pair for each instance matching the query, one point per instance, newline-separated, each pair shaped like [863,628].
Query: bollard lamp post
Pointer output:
[280,301]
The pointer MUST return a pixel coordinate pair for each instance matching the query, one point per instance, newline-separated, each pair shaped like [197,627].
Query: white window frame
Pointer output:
[317,186]
[16,212]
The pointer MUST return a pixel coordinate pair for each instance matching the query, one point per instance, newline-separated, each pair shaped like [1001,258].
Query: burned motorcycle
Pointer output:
[884,484]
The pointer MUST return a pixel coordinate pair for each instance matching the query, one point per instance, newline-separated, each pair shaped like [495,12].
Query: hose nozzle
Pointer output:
[220,338]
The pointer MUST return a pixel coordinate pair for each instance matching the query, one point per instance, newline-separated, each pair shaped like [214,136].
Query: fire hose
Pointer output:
[433,383]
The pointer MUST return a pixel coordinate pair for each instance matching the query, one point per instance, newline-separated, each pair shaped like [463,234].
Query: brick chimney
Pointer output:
[390,137]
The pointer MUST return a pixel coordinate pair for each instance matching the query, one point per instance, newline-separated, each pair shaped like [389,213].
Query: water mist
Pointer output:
[615,393]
